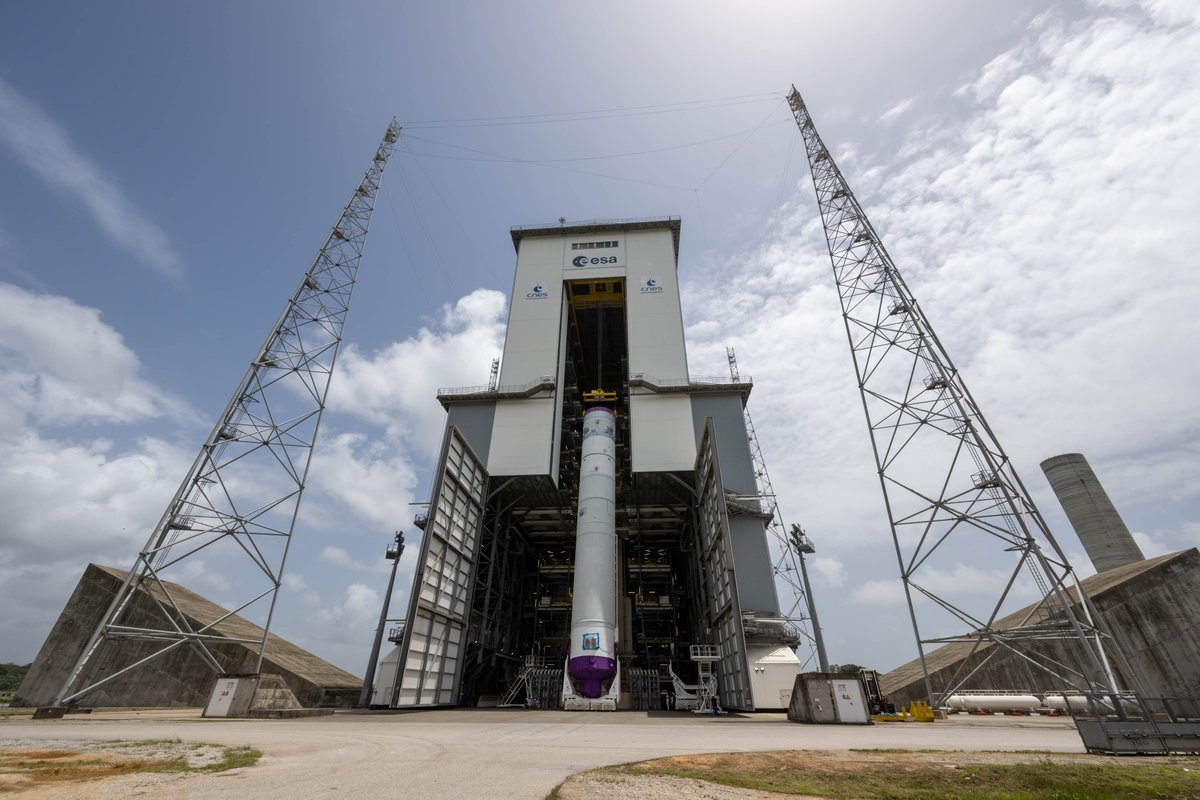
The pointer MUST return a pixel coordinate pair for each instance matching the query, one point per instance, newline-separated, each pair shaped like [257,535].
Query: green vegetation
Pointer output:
[11,676]
[846,669]
[231,758]
[1060,779]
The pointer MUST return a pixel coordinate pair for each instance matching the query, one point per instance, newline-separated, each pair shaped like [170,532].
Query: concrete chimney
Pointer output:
[1103,533]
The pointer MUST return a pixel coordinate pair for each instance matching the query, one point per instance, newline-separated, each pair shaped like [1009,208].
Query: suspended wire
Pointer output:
[499,158]
[485,156]
[437,254]
[700,218]
[587,116]
[412,262]
[787,167]
[453,216]
[753,131]
[594,158]
[594,111]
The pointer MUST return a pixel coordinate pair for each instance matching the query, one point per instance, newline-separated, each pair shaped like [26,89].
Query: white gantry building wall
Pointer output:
[595,513]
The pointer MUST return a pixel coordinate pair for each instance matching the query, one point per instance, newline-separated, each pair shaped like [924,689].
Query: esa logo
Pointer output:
[650,286]
[584,261]
[538,292]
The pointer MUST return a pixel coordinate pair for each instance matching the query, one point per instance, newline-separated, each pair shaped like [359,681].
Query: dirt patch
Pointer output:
[27,769]
[599,786]
[883,773]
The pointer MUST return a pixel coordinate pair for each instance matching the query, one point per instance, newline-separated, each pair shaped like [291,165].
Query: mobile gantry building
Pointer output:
[595,322]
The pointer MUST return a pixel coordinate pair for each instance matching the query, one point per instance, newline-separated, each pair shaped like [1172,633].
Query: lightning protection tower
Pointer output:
[783,555]
[238,504]
[952,495]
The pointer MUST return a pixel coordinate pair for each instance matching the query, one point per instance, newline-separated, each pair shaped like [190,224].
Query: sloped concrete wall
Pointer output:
[1154,614]
[180,678]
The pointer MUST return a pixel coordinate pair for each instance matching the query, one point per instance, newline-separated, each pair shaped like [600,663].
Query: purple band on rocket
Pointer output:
[592,670]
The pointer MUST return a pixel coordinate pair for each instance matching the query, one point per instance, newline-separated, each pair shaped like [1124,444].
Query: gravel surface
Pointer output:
[591,786]
[483,753]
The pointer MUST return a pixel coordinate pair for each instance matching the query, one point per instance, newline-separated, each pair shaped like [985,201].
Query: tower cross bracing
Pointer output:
[951,492]
[238,503]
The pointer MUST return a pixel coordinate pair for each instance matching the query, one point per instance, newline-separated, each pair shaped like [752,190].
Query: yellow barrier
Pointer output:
[918,711]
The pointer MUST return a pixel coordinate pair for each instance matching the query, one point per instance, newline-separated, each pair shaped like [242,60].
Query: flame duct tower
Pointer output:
[594,609]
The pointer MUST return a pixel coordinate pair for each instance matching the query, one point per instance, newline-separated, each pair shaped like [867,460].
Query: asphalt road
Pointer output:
[497,754]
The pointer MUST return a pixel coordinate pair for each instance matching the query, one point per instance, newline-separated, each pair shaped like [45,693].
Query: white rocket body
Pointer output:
[593,653]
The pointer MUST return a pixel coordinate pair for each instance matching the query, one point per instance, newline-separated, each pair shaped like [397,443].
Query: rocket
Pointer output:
[593,653]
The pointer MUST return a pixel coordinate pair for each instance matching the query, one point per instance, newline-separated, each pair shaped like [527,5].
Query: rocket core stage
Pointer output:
[593,655]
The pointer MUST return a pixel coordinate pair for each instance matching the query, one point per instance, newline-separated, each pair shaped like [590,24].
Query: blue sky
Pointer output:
[169,170]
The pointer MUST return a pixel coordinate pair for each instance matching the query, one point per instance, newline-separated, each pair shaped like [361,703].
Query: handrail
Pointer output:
[513,390]
[549,383]
[541,226]
[641,379]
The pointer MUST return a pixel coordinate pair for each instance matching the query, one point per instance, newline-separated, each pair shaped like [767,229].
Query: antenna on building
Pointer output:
[239,501]
[950,489]
[785,564]
[494,377]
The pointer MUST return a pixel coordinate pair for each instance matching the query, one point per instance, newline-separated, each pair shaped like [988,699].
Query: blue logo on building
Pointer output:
[593,261]
[538,292]
[650,286]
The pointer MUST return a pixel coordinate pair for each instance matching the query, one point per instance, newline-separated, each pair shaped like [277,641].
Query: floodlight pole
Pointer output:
[394,551]
[802,545]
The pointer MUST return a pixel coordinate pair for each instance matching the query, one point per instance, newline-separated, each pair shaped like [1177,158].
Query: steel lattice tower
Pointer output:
[240,499]
[783,564]
[952,495]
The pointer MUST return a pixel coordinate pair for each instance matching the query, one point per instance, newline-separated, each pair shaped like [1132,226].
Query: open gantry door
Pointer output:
[435,636]
[720,586]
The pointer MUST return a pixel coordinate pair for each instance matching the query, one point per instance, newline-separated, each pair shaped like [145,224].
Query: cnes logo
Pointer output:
[538,292]
[650,286]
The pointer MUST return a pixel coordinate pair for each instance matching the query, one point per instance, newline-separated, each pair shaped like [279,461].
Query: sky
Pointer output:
[168,172]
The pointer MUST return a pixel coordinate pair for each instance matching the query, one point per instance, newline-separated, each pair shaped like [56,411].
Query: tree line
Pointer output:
[11,676]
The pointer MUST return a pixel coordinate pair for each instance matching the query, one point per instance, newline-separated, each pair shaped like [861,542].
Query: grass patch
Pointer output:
[887,775]
[233,758]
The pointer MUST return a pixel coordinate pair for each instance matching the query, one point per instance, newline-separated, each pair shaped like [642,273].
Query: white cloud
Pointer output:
[198,576]
[957,584]
[827,570]
[8,264]
[898,109]
[341,632]
[1045,221]
[297,586]
[60,362]
[332,554]
[45,148]
[879,592]
[1151,544]
[370,477]
[396,386]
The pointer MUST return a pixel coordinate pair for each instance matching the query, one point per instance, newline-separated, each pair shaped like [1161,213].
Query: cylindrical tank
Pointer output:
[993,702]
[1093,516]
[593,655]
[1074,703]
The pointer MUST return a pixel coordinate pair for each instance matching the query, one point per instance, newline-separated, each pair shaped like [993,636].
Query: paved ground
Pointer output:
[495,754]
